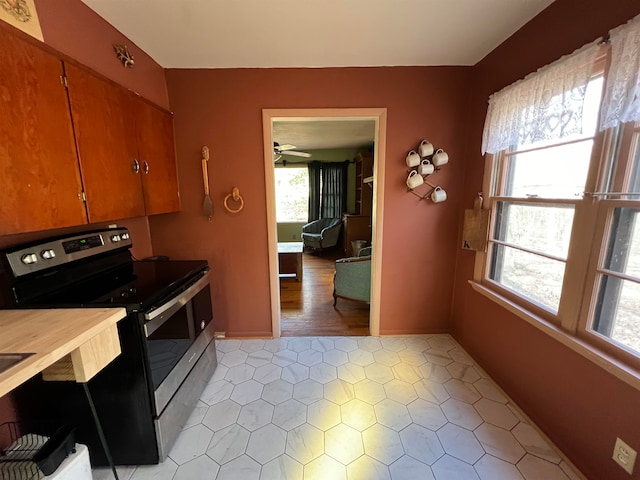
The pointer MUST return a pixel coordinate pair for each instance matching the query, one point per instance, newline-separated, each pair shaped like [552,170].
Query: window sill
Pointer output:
[611,365]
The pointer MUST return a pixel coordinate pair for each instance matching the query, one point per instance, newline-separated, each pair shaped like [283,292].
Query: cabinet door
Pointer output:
[106,139]
[157,158]
[40,180]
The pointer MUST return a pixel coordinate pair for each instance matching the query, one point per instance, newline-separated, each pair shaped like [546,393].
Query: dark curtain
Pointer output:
[314,190]
[333,199]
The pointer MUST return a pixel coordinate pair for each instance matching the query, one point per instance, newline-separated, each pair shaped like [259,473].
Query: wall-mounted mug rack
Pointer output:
[436,193]
[422,162]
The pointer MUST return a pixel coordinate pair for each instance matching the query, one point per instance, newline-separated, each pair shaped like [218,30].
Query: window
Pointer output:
[292,194]
[564,239]
[536,191]
[614,319]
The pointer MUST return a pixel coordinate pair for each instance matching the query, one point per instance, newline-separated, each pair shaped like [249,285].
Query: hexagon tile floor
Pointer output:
[356,408]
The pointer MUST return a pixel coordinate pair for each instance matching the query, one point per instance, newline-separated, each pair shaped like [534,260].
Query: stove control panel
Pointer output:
[83,243]
[54,252]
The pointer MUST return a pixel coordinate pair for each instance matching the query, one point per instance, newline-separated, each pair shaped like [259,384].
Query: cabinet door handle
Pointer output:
[145,167]
[135,166]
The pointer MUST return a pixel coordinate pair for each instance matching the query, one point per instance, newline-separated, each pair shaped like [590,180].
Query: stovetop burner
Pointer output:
[138,285]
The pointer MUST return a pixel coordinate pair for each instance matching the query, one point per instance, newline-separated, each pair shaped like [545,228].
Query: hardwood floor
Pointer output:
[307,306]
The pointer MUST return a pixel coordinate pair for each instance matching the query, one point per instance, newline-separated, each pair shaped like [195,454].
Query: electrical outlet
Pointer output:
[624,455]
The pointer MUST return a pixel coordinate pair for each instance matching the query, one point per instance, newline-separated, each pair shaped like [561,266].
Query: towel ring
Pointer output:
[235,194]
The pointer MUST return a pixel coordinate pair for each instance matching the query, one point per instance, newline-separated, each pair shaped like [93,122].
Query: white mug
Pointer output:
[425,148]
[413,159]
[414,180]
[438,195]
[440,158]
[425,168]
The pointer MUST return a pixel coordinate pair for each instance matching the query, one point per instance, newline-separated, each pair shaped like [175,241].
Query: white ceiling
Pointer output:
[324,134]
[316,33]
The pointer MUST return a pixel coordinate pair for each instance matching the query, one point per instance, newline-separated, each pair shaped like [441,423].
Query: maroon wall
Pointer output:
[223,109]
[75,30]
[7,414]
[580,406]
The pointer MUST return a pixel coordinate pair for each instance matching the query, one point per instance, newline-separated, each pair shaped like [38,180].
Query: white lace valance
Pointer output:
[621,102]
[545,105]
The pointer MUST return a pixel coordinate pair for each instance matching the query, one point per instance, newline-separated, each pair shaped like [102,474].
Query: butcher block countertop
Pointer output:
[67,344]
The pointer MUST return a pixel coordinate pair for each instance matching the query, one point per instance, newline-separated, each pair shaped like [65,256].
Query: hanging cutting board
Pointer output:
[476,227]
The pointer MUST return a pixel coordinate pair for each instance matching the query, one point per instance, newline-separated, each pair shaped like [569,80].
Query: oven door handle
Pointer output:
[156,317]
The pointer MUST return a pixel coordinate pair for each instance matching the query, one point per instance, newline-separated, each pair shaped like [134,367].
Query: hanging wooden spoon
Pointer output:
[207,206]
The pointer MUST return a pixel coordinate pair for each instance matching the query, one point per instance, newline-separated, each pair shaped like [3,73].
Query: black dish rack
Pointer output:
[27,456]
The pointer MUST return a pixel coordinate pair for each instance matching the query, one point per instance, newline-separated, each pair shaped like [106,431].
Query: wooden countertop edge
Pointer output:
[31,366]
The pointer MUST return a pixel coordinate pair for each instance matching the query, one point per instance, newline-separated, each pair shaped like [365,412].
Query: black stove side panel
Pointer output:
[122,399]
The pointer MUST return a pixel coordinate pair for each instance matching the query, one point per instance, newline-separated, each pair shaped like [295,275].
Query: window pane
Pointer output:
[617,314]
[292,194]
[554,172]
[618,311]
[544,228]
[623,253]
[535,277]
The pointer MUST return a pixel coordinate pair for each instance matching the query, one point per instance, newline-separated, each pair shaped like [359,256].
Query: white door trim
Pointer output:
[379,115]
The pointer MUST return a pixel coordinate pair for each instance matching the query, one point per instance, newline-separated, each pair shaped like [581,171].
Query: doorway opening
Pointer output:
[339,140]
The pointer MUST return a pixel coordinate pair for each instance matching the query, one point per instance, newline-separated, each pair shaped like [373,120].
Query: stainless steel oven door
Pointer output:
[175,339]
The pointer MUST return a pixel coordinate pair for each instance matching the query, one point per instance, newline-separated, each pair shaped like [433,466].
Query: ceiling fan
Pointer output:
[286,149]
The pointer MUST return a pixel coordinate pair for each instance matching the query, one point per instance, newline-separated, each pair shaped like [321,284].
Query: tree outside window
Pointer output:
[292,194]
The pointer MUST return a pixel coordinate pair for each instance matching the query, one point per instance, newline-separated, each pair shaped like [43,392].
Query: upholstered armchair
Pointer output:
[352,279]
[321,233]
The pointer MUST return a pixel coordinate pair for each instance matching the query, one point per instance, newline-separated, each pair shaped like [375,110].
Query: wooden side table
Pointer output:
[290,259]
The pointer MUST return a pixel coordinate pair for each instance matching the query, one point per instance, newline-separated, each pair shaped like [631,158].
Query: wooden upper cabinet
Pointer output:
[156,150]
[39,176]
[107,149]
[93,137]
